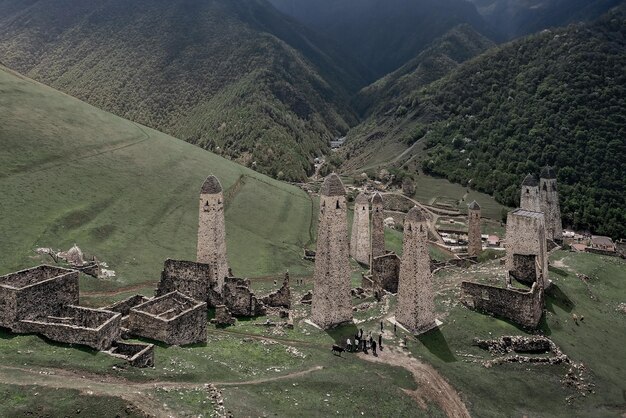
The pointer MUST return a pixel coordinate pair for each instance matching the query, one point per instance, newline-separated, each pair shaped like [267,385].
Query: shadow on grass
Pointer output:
[341,333]
[6,334]
[556,297]
[435,342]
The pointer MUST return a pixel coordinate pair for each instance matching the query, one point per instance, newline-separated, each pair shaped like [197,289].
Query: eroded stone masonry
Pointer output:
[416,300]
[360,245]
[526,255]
[332,303]
[550,204]
[212,229]
[474,240]
[529,198]
[378,226]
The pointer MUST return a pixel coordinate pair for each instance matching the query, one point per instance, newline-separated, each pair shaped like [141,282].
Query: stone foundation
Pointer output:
[522,307]
[136,354]
[95,328]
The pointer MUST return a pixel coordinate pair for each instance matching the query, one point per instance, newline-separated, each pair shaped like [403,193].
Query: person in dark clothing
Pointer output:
[381,326]
[394,329]
[361,333]
[380,341]
[357,342]
[374,347]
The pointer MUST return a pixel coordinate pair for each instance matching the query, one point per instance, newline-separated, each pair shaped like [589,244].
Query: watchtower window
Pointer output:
[363,207]
[337,205]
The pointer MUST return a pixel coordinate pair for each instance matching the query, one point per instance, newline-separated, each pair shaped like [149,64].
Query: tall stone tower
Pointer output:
[360,246]
[378,226]
[529,199]
[416,301]
[212,230]
[526,253]
[474,242]
[332,303]
[550,204]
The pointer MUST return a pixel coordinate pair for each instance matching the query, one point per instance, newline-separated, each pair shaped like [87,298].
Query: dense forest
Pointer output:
[556,98]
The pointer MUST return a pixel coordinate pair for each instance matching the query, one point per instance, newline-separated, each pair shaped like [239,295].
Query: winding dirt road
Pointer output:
[431,385]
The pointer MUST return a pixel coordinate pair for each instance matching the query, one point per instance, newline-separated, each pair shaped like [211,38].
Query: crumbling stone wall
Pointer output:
[124,306]
[550,204]
[525,236]
[474,240]
[36,292]
[240,299]
[174,319]
[195,280]
[386,273]
[416,299]
[223,316]
[378,226]
[529,198]
[522,307]
[136,354]
[95,328]
[281,298]
[212,230]
[332,304]
[360,240]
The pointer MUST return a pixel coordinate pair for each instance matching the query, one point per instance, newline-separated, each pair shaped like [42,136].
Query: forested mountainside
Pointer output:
[383,35]
[233,76]
[555,98]
[514,18]
[442,56]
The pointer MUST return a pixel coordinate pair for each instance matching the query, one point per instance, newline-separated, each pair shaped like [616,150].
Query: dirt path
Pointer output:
[137,393]
[431,385]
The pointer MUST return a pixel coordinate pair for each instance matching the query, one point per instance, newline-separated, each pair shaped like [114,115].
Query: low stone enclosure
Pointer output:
[94,328]
[173,318]
[524,307]
[136,354]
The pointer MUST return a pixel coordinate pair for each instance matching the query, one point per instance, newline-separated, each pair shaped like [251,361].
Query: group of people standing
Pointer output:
[365,342]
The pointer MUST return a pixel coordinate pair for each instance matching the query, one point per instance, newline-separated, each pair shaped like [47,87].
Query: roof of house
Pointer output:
[530,180]
[211,186]
[601,240]
[474,206]
[333,186]
[377,199]
[415,215]
[548,173]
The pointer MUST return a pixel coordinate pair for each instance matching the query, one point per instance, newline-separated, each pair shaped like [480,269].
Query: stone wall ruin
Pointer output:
[526,254]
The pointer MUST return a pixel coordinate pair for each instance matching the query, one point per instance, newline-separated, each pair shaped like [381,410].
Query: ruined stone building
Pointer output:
[527,263]
[526,254]
[416,300]
[212,230]
[529,198]
[550,204]
[474,240]
[332,303]
[192,279]
[174,319]
[378,226]
[384,275]
[360,245]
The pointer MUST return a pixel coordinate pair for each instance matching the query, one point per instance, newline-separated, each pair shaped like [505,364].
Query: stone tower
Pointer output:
[212,230]
[360,241]
[529,199]
[474,242]
[378,226]
[550,204]
[416,301]
[526,254]
[332,303]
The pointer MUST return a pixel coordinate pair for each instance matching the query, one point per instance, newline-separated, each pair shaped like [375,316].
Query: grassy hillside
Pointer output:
[382,35]
[234,76]
[71,173]
[554,98]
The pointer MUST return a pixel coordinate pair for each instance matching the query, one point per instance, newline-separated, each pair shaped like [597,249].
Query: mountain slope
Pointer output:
[382,35]
[234,76]
[438,59]
[71,173]
[555,98]
[514,18]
